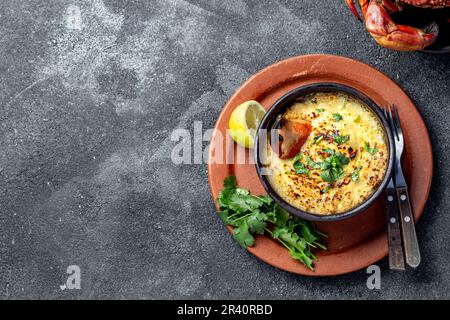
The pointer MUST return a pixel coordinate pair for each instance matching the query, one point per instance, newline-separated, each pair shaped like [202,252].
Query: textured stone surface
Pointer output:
[87,108]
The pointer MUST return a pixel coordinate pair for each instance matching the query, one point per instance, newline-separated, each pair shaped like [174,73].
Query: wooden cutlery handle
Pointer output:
[396,260]
[411,246]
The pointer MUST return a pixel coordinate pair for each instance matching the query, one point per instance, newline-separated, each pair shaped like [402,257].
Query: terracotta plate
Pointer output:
[354,243]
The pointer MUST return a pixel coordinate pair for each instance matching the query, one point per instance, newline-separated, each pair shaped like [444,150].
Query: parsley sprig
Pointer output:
[312,164]
[333,166]
[299,167]
[341,139]
[250,215]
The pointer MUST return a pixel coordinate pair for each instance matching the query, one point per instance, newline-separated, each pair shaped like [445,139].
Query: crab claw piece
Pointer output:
[397,37]
[293,135]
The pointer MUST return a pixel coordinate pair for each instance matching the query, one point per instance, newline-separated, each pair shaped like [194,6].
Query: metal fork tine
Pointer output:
[393,124]
[389,116]
[396,118]
[386,113]
[398,127]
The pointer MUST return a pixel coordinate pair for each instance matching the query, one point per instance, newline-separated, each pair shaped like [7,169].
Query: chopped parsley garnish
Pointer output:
[300,168]
[332,175]
[341,139]
[250,215]
[369,149]
[343,102]
[317,139]
[320,109]
[333,167]
[355,173]
[315,165]
[298,157]
[337,117]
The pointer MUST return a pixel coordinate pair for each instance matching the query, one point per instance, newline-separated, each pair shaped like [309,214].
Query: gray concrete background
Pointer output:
[85,174]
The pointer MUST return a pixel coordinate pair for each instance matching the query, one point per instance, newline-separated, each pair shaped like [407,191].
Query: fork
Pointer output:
[396,255]
[410,244]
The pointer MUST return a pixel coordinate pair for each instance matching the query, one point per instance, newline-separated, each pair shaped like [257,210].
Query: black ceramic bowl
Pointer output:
[280,107]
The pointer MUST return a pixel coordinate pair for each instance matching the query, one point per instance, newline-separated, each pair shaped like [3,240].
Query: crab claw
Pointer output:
[293,135]
[397,37]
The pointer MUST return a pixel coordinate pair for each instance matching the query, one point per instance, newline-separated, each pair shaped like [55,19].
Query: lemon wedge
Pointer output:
[244,122]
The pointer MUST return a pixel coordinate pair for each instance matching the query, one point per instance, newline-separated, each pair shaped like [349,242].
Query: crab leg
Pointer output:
[391,5]
[362,3]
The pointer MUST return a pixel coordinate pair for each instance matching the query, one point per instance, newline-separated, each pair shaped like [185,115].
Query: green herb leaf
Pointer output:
[224,216]
[369,149]
[355,173]
[328,176]
[307,261]
[298,157]
[281,216]
[230,182]
[337,117]
[320,109]
[257,222]
[289,237]
[242,192]
[325,165]
[317,139]
[300,168]
[308,232]
[243,236]
[342,159]
[315,165]
[341,139]
[239,202]
[224,197]
[266,199]
[332,167]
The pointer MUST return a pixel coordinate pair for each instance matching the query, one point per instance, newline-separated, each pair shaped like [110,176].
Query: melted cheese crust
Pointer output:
[309,192]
